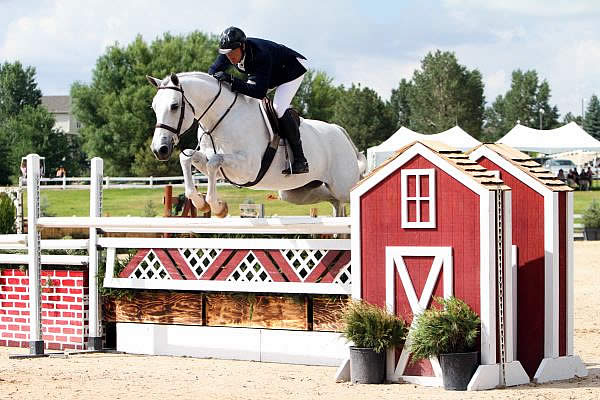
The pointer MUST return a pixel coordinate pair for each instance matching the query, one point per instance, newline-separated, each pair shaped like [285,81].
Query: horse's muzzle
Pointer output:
[164,150]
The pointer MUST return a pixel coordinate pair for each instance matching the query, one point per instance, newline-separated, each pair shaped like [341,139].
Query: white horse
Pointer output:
[232,139]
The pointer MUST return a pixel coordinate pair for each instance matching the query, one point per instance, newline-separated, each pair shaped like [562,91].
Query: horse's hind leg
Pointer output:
[311,196]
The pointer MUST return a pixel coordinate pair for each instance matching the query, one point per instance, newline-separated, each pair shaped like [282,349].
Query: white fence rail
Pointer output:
[117,182]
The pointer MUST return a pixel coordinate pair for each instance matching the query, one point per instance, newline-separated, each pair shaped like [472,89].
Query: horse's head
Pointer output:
[174,115]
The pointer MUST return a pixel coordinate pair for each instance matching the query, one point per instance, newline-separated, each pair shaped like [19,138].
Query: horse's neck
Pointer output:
[238,122]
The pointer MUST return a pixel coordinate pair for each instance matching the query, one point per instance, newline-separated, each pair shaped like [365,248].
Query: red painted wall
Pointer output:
[562,274]
[457,226]
[528,236]
[64,309]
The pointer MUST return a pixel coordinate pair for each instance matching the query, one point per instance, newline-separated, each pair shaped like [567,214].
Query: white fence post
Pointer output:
[97,172]
[36,344]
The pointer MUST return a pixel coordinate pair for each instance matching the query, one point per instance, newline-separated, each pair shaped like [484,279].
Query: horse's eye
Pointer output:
[174,106]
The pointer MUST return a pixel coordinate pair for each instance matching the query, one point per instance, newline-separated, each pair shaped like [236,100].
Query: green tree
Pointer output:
[316,96]
[115,108]
[364,115]
[591,123]
[399,103]
[17,89]
[31,131]
[445,94]
[569,117]
[523,103]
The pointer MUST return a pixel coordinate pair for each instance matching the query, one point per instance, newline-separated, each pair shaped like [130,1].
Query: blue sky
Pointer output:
[375,43]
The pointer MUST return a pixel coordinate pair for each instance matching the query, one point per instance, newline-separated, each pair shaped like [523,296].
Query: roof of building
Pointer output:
[57,104]
[526,164]
[455,158]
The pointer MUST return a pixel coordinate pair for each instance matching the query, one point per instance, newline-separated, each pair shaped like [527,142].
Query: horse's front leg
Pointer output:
[199,160]
[215,162]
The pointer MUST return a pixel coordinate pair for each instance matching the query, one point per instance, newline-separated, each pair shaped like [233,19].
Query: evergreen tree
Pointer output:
[18,89]
[316,96]
[399,103]
[444,94]
[591,123]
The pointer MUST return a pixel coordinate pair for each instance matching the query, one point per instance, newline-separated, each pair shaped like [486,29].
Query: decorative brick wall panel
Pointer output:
[65,300]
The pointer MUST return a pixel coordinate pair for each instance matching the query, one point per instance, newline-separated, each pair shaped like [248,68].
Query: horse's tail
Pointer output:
[360,157]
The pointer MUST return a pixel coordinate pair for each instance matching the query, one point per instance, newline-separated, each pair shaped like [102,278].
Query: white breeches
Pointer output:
[286,92]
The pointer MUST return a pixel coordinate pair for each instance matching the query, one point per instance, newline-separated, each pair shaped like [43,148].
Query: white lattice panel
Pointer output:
[344,277]
[303,261]
[150,268]
[249,270]
[199,259]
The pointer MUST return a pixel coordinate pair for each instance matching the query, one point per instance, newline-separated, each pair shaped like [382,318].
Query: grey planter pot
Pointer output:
[458,368]
[366,366]
[591,233]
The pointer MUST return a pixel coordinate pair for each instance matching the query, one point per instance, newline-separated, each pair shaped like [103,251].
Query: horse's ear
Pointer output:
[174,79]
[153,81]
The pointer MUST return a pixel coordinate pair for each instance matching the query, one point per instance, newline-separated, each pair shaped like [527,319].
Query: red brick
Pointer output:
[46,305]
[6,319]
[48,290]
[61,273]
[6,288]
[21,320]
[48,337]
[75,291]
[7,304]
[54,329]
[76,339]
[68,282]
[20,289]
[79,283]
[68,314]
[25,297]
[20,305]
[54,314]
[25,328]
[2,327]
[14,327]
[13,297]
[53,298]
[68,331]
[6,272]
[75,307]
[75,322]
[20,336]
[14,312]
[61,290]
[78,331]
[25,281]
[70,299]
[7,334]
[62,306]
[53,346]
[3,343]
[62,322]
[47,322]
[14,281]
[61,338]
[78,315]
[18,272]
[24,312]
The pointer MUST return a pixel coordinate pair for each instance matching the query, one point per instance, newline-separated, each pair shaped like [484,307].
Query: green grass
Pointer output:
[131,202]
[124,202]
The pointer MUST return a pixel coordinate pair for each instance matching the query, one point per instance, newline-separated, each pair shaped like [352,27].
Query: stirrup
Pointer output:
[296,169]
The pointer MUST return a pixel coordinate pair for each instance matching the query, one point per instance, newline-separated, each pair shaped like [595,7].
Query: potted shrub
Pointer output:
[591,221]
[449,330]
[372,330]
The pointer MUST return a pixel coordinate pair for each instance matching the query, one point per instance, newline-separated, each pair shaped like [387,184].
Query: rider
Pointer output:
[268,65]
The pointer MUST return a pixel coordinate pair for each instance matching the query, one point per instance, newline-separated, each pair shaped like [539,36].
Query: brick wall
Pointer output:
[64,309]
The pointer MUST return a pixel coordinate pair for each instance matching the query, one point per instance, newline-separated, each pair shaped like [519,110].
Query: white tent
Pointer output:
[566,138]
[454,137]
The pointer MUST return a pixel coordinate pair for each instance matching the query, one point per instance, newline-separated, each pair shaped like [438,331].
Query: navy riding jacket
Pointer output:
[268,65]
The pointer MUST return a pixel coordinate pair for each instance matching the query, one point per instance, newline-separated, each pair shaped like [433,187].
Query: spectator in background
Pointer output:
[561,175]
[572,178]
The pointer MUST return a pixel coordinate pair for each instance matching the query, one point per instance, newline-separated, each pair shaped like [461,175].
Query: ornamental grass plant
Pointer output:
[451,327]
[591,216]
[369,326]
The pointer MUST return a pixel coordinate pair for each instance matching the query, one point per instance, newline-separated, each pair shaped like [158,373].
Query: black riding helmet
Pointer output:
[231,38]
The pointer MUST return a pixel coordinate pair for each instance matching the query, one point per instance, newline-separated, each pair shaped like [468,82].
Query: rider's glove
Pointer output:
[223,77]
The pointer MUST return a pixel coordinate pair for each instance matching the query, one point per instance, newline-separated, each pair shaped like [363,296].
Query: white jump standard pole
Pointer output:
[36,344]
[97,172]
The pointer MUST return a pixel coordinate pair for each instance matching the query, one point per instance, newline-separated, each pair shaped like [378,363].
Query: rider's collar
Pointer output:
[240,65]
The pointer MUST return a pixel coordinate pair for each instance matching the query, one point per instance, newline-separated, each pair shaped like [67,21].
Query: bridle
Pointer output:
[177,131]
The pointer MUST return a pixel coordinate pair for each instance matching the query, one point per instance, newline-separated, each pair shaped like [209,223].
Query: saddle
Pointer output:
[270,116]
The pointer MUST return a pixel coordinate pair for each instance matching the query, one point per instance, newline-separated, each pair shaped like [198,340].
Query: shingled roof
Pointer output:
[57,104]
[454,157]
[526,164]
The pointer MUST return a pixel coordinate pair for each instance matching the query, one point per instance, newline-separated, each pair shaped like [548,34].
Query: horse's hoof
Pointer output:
[199,202]
[222,211]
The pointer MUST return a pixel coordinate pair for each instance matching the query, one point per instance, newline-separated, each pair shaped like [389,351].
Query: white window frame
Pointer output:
[418,173]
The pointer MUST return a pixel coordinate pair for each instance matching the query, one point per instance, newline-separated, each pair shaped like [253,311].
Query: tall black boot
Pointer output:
[290,131]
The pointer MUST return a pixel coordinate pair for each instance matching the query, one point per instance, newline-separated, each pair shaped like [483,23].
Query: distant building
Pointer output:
[60,108]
